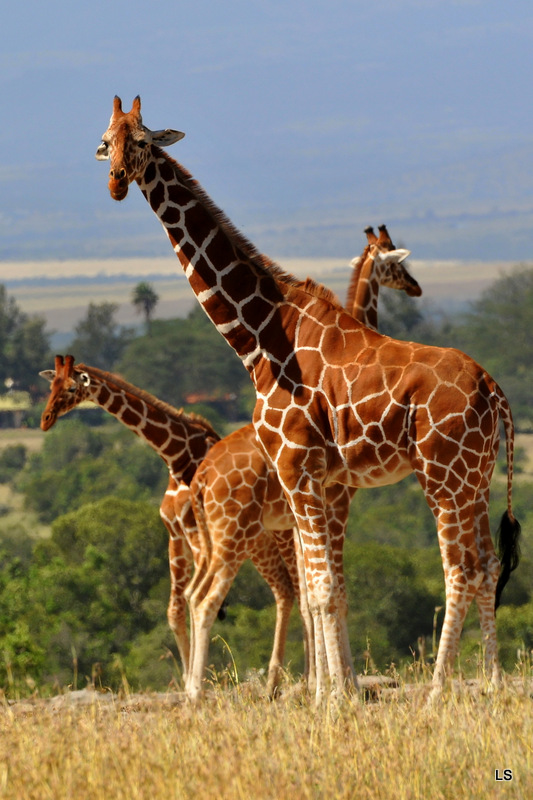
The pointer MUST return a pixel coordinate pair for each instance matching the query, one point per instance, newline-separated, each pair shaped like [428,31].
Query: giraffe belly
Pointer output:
[277,514]
[367,466]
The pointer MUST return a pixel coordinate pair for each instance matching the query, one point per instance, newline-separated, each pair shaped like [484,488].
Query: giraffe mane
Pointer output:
[316,289]
[262,262]
[141,394]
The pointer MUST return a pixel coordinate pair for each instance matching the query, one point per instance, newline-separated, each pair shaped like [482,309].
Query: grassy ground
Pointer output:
[236,745]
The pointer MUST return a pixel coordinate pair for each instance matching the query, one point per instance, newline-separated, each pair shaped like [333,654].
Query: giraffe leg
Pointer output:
[322,592]
[204,605]
[463,576]
[485,604]
[289,546]
[177,620]
[267,559]
[338,499]
[305,613]
[485,597]
[179,559]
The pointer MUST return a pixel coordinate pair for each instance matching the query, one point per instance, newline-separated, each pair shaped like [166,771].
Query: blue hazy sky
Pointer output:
[305,121]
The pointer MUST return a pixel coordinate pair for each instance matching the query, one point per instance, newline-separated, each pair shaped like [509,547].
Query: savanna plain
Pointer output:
[94,744]
[235,744]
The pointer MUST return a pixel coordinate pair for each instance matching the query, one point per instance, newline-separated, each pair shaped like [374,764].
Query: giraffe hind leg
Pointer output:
[463,573]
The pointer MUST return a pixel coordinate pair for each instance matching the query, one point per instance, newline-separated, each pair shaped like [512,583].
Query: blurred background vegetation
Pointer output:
[83,558]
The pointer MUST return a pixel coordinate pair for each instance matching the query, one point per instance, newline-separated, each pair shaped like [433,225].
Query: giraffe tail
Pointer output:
[508,548]
[508,536]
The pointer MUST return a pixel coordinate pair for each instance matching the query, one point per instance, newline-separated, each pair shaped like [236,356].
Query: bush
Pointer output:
[12,460]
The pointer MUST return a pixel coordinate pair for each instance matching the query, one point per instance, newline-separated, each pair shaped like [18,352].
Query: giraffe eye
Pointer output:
[142,144]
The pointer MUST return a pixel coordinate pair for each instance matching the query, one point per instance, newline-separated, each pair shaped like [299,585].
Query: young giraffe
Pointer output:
[235,474]
[337,402]
[182,440]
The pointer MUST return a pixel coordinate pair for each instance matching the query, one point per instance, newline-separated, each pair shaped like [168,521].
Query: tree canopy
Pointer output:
[24,345]
[497,333]
[145,299]
[99,339]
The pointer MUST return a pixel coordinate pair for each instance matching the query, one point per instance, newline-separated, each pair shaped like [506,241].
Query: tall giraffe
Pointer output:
[235,474]
[248,514]
[338,402]
[182,441]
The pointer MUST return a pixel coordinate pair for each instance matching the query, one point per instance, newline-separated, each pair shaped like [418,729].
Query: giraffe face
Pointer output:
[127,144]
[66,392]
[393,274]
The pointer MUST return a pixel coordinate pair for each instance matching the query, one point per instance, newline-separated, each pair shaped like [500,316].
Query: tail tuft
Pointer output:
[508,549]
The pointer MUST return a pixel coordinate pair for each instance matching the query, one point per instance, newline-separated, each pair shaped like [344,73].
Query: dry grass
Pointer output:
[236,745]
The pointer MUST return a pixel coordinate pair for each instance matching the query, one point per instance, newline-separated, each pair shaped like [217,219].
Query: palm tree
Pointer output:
[145,300]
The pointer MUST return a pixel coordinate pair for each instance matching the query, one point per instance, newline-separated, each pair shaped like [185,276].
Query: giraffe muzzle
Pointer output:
[118,183]
[47,420]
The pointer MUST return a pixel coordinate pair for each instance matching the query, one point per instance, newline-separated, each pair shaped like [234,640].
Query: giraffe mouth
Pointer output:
[118,188]
[47,420]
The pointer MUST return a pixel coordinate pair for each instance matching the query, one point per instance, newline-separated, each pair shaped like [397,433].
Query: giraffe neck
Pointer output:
[363,293]
[236,286]
[181,440]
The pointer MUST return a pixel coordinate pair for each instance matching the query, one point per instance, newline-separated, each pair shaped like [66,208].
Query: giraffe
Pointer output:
[236,474]
[182,441]
[338,402]
[369,274]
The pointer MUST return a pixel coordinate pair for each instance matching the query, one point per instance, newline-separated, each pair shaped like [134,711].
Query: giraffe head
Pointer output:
[127,145]
[386,262]
[69,388]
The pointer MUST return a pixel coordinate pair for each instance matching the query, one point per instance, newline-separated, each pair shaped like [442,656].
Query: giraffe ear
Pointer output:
[166,137]
[355,261]
[83,378]
[394,256]
[48,374]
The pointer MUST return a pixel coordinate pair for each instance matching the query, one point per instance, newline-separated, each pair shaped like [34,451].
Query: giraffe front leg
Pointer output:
[307,618]
[180,565]
[323,596]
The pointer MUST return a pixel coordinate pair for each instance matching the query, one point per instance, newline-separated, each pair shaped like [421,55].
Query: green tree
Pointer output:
[145,300]
[12,460]
[24,345]
[497,333]
[185,357]
[100,581]
[390,603]
[100,340]
[78,464]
